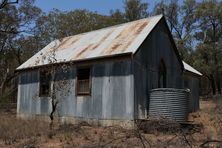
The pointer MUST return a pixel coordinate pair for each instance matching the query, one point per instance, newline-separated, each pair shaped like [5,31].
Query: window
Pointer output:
[45,83]
[162,75]
[83,81]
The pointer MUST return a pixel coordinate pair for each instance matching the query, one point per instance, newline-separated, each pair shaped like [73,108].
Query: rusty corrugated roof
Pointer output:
[124,38]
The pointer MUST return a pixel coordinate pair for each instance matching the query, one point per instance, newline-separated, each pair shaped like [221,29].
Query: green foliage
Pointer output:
[59,24]
[181,21]
[16,24]
[135,9]
[197,30]
[208,56]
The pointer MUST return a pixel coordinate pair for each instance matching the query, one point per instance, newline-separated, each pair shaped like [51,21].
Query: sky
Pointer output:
[100,6]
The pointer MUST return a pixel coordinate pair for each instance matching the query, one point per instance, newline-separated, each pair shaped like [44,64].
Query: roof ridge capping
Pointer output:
[189,68]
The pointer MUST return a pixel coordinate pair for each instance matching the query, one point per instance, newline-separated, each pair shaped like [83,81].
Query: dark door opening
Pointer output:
[162,74]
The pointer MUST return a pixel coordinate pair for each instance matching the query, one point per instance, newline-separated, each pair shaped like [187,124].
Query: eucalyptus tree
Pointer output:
[182,21]
[209,36]
[135,9]
[16,22]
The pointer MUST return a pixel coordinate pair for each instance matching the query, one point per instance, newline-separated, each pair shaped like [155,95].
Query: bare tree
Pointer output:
[60,84]
[15,22]
[4,3]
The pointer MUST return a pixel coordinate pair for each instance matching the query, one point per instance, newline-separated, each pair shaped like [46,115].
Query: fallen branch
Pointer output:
[185,139]
[210,141]
[111,141]
[171,139]
[140,136]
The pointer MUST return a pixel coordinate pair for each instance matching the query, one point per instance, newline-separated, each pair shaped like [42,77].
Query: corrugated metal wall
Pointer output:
[27,100]
[111,98]
[192,82]
[171,103]
[156,47]
[120,89]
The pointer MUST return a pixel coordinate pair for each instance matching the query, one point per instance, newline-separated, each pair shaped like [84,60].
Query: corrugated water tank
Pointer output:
[169,103]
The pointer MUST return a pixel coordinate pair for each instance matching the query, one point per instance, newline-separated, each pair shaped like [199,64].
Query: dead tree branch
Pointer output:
[210,141]
[4,3]
[140,136]
[184,135]
[12,31]
[54,106]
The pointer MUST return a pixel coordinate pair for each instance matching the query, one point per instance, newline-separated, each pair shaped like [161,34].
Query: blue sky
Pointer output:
[100,6]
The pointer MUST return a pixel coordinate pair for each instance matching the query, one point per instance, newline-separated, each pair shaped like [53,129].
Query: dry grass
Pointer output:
[206,126]
[14,130]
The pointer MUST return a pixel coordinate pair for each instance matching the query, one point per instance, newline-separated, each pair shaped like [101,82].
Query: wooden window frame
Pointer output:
[90,81]
[50,83]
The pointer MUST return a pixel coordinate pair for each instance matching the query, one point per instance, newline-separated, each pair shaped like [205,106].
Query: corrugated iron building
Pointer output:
[192,81]
[109,75]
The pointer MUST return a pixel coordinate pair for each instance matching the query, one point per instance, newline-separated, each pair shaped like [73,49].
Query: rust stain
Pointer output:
[101,40]
[121,42]
[115,46]
[67,42]
[83,50]
[106,36]
[63,42]
[119,35]
[70,42]
[127,34]
[74,41]
[94,46]
[124,32]
[141,26]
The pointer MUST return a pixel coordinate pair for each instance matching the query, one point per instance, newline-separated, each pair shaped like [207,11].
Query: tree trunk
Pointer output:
[212,84]
[54,101]
[2,86]
[218,81]
[218,87]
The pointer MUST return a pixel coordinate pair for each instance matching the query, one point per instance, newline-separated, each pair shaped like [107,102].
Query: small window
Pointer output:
[45,83]
[83,81]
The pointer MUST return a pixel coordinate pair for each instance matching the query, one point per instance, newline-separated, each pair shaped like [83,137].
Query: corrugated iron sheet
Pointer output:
[170,103]
[124,38]
[191,69]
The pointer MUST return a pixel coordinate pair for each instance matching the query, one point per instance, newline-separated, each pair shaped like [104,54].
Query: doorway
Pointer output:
[162,74]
